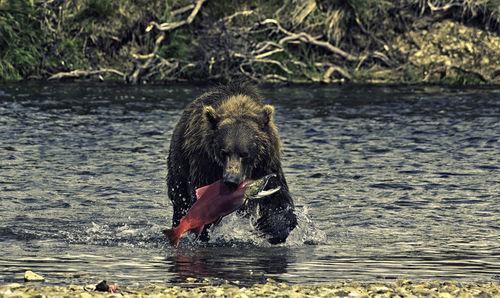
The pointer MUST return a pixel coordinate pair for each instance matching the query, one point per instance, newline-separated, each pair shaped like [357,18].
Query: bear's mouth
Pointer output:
[232,182]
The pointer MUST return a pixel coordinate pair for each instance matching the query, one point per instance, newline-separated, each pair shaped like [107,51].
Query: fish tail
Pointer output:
[173,236]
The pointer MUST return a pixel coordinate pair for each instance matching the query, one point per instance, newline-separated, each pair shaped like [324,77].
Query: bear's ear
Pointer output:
[211,115]
[267,114]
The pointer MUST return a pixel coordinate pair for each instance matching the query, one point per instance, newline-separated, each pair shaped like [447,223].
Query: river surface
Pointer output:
[389,183]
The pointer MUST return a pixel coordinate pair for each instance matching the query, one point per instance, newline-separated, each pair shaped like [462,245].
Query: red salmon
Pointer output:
[214,202]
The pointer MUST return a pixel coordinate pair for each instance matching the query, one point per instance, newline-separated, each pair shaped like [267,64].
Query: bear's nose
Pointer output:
[233,171]
[231,180]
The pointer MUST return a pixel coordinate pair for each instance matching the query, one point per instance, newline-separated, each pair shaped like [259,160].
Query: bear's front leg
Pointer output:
[277,223]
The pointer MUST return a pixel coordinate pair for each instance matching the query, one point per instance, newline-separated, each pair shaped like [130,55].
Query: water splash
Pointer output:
[306,231]
[236,231]
[149,235]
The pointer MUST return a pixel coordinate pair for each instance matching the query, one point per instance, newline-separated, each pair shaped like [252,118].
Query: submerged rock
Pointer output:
[32,276]
[102,286]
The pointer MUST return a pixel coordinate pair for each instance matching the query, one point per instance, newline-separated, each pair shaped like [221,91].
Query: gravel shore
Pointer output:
[401,288]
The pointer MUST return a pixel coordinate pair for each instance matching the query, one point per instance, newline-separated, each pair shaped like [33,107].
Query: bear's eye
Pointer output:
[224,153]
[244,154]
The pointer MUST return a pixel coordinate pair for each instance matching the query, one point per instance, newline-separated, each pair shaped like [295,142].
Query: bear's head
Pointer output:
[242,137]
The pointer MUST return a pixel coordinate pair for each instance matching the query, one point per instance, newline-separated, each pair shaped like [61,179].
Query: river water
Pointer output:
[389,183]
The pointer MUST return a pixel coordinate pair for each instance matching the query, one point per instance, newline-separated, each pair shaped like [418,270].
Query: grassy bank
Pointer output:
[401,288]
[407,41]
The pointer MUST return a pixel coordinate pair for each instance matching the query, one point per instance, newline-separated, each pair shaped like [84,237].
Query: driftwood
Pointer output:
[304,37]
[143,63]
[441,8]
[250,58]
[331,69]
[183,9]
[267,48]
[165,27]
[172,26]
[149,58]
[86,73]
[234,15]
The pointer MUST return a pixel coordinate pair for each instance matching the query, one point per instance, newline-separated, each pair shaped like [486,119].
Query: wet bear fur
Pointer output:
[230,124]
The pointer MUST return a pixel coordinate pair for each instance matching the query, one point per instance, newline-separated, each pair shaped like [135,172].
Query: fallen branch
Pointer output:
[331,69]
[250,60]
[309,39]
[164,68]
[441,8]
[273,78]
[260,56]
[165,27]
[262,46]
[236,14]
[304,37]
[86,73]
[248,74]
[134,76]
[270,61]
[299,63]
[382,57]
[174,25]
[182,9]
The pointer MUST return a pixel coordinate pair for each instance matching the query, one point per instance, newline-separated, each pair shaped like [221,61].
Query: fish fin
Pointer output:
[198,230]
[173,236]
[200,191]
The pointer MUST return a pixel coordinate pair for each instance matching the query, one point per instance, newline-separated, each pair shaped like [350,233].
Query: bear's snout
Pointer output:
[233,171]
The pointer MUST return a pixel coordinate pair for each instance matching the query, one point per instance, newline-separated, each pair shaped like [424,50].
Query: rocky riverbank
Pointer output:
[401,288]
[293,41]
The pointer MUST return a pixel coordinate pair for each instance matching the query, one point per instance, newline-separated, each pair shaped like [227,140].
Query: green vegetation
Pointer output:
[95,9]
[22,41]
[409,41]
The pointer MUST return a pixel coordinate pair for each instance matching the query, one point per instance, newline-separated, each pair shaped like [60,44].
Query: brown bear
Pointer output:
[228,133]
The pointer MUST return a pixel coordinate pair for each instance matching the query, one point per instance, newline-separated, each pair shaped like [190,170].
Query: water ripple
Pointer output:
[388,182]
